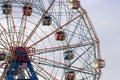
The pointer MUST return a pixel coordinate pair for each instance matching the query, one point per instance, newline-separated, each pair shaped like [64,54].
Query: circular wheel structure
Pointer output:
[47,40]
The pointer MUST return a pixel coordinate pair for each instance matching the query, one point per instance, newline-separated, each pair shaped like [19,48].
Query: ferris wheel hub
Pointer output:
[21,61]
[21,53]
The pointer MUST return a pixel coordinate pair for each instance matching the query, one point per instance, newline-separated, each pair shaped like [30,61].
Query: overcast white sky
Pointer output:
[105,16]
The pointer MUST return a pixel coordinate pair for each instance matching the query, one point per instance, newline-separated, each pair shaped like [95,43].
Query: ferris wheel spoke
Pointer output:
[6,34]
[22,29]
[45,78]
[11,27]
[52,63]
[80,55]
[73,33]
[14,26]
[4,43]
[60,27]
[23,25]
[41,74]
[52,49]
[69,69]
[53,78]
[37,25]
[8,25]
[3,49]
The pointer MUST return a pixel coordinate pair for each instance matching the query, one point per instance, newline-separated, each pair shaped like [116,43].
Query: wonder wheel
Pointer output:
[47,40]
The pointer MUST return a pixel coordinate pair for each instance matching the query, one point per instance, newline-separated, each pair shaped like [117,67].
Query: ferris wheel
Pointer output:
[47,40]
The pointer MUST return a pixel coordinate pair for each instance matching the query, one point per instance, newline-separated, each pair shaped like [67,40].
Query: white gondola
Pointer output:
[75,4]
[99,63]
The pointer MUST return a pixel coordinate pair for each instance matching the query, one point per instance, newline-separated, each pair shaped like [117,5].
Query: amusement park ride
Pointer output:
[47,40]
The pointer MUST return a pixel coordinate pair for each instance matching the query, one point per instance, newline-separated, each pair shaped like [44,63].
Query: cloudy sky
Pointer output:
[105,16]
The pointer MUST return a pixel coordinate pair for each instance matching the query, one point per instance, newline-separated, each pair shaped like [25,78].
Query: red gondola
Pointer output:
[27,10]
[70,75]
[60,35]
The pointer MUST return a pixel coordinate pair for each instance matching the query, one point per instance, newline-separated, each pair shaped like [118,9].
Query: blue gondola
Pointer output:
[69,55]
